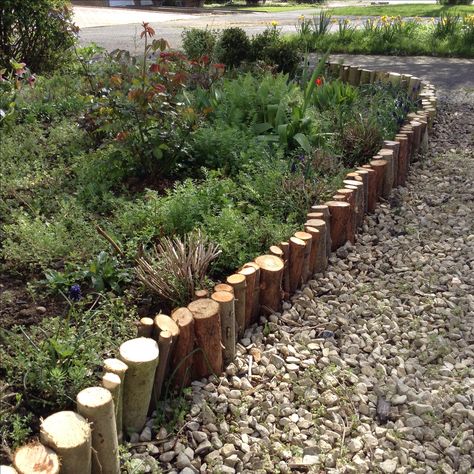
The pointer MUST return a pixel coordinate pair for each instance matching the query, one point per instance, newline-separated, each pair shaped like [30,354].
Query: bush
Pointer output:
[454,2]
[233,47]
[198,42]
[37,32]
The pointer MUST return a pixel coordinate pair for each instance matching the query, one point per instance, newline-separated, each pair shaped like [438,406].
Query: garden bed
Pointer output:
[241,157]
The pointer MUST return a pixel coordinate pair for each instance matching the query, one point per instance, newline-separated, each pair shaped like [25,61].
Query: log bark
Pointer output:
[354,76]
[379,167]
[307,238]
[34,458]
[226,303]
[166,343]
[277,251]
[250,274]
[145,327]
[182,360]
[315,237]
[256,292]
[364,76]
[240,292]
[364,174]
[96,405]
[117,367]
[359,199]
[322,259]
[224,287]
[372,187]
[395,147]
[340,215]
[271,275]
[207,333]
[198,294]
[349,196]
[297,254]
[285,247]
[141,356]
[387,155]
[325,210]
[113,384]
[69,436]
[402,139]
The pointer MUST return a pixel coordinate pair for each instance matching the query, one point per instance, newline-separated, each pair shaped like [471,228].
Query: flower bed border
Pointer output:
[258,287]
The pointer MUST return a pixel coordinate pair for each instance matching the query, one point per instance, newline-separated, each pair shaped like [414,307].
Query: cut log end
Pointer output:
[116,366]
[34,458]
[138,350]
[204,308]
[182,316]
[270,263]
[64,430]
[93,397]
[110,381]
[163,322]
[198,294]
[222,297]
[224,287]
[236,279]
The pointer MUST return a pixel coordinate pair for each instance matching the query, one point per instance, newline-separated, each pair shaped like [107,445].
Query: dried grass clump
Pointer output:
[175,268]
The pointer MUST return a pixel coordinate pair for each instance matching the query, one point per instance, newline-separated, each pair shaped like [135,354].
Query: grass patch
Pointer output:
[406,10]
[267,8]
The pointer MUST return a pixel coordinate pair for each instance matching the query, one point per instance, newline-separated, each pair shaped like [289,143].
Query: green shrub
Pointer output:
[37,32]
[198,42]
[454,2]
[233,47]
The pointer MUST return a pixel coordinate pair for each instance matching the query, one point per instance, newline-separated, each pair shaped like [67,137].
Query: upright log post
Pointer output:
[207,332]
[198,294]
[395,147]
[359,198]
[119,368]
[364,174]
[69,436]
[297,254]
[256,292]
[165,341]
[141,357]
[315,238]
[285,247]
[402,140]
[182,360]
[349,195]
[250,275]
[8,470]
[96,405]
[379,167]
[340,215]
[113,384]
[271,276]
[307,238]
[237,281]
[145,327]
[227,313]
[34,458]
[325,210]
[224,287]
[372,187]
[387,155]
[322,259]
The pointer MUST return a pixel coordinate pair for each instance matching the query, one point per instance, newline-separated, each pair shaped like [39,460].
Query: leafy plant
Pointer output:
[176,268]
[198,42]
[37,32]
[233,47]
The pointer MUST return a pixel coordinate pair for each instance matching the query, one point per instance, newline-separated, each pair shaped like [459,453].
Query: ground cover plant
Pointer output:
[449,35]
[105,159]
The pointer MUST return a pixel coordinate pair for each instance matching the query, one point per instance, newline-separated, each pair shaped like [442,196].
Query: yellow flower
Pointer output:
[274,23]
[301,17]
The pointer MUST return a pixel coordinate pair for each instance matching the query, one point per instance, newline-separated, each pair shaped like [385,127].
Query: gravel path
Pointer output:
[391,325]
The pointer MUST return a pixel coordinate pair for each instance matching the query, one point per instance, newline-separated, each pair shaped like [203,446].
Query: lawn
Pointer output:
[268,7]
[405,10]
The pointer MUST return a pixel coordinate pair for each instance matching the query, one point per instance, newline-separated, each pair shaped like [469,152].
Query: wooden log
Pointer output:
[325,210]
[394,78]
[198,294]
[417,136]
[315,237]
[237,281]
[34,458]
[387,155]
[165,342]
[414,87]
[285,247]
[359,199]
[227,313]
[145,327]
[307,238]
[163,322]
[96,405]
[8,470]
[271,275]
[182,359]
[364,174]
[338,197]
[349,196]
[410,133]
[224,287]
[113,384]
[395,147]
[372,187]
[141,356]
[364,76]
[379,167]
[117,367]
[340,213]
[256,292]
[322,259]
[250,274]
[207,332]
[277,251]
[315,215]
[297,255]
[354,75]
[402,139]
[69,436]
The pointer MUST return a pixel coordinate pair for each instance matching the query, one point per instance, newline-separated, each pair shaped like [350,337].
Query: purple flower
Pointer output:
[75,292]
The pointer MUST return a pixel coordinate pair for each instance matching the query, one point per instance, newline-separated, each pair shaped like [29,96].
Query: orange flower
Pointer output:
[319,81]
[121,136]
[147,30]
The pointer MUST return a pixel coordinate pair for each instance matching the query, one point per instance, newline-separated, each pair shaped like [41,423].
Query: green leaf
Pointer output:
[262,127]
[303,142]
[158,153]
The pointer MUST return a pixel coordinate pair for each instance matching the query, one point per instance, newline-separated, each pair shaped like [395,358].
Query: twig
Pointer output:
[109,239]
